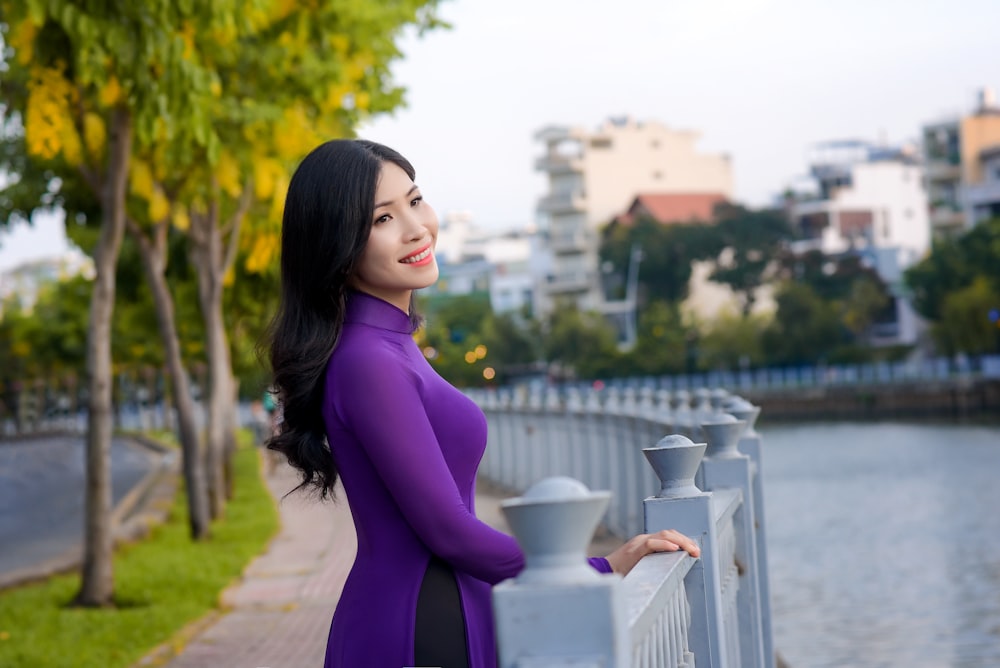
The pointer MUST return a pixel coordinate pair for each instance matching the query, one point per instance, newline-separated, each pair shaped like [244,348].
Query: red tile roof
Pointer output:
[673,207]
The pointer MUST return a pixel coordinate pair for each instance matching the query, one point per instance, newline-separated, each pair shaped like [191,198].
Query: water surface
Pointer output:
[884,544]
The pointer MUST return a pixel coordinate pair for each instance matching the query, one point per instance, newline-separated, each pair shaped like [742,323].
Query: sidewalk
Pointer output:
[278,615]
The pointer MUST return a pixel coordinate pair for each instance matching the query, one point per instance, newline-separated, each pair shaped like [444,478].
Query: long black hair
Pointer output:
[328,216]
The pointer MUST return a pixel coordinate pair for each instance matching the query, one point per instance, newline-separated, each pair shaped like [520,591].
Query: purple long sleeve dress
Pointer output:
[407,445]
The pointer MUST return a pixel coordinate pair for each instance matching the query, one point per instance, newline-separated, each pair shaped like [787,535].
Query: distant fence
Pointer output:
[140,403]
[940,369]
[671,610]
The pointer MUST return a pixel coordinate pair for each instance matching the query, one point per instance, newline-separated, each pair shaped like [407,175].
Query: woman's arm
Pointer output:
[378,398]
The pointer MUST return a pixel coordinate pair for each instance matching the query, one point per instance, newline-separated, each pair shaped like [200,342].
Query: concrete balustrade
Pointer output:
[671,610]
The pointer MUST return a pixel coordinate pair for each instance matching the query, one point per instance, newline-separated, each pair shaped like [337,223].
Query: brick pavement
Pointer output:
[278,615]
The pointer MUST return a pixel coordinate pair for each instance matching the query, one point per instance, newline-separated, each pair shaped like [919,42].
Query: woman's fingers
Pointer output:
[671,541]
[625,557]
[660,545]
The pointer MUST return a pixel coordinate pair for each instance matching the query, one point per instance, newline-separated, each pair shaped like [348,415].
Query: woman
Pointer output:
[357,240]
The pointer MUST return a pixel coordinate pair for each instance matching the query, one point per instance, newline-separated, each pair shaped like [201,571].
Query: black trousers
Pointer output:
[440,624]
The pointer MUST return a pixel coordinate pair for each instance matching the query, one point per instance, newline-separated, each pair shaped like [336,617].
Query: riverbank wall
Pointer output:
[970,399]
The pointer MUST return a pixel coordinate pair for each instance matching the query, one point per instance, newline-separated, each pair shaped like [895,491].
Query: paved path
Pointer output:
[280,611]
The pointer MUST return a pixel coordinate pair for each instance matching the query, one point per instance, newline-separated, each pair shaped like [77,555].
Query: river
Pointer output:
[884,544]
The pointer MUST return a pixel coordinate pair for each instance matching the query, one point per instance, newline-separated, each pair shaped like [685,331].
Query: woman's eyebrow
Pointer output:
[379,205]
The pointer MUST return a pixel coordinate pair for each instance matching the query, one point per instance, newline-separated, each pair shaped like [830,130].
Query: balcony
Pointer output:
[946,217]
[555,203]
[942,170]
[982,194]
[553,163]
[571,242]
[569,282]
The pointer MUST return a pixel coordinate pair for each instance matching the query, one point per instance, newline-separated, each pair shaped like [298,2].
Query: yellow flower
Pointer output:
[228,172]
[48,127]
[94,134]
[140,179]
[180,219]
[22,40]
[264,251]
[110,93]
[159,206]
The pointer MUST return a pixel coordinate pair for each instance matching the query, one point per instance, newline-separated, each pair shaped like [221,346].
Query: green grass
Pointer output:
[161,584]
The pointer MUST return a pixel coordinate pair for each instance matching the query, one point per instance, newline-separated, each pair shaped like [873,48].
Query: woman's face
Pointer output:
[399,257]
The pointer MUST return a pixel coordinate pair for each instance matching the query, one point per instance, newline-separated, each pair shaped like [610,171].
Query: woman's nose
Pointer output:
[416,228]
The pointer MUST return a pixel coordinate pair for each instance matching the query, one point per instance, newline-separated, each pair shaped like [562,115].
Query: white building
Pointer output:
[595,176]
[871,202]
[472,260]
[23,281]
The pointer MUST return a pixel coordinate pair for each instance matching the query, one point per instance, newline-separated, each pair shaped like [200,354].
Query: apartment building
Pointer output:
[958,158]
[871,202]
[981,200]
[595,175]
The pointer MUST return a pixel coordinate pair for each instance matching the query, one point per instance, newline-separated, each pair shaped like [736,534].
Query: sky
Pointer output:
[760,80]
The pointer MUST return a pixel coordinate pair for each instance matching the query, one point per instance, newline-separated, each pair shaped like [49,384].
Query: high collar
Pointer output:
[369,310]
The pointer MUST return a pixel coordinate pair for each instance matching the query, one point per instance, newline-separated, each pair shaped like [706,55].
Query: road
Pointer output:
[41,495]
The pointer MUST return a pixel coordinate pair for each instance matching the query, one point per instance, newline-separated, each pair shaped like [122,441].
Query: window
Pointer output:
[600,142]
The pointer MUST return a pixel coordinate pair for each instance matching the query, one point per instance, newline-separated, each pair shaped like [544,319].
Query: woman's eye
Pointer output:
[382,219]
[416,200]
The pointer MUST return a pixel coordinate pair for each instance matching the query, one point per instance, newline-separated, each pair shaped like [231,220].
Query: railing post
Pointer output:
[724,466]
[556,445]
[750,445]
[558,611]
[682,506]
[682,412]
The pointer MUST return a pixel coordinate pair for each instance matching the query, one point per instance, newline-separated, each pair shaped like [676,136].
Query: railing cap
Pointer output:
[554,522]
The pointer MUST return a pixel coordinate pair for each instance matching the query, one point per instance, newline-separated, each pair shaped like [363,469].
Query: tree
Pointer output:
[868,297]
[804,330]
[580,344]
[452,330]
[732,341]
[514,346]
[89,85]
[954,264]
[267,81]
[301,74]
[748,243]
[965,325]
[667,254]
[661,345]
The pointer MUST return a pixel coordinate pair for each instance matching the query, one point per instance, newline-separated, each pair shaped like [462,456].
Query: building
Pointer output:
[667,208]
[958,153]
[981,200]
[593,176]
[23,282]
[499,265]
[870,201]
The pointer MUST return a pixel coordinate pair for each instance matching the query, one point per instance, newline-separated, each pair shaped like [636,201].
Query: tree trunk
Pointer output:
[208,259]
[154,263]
[97,585]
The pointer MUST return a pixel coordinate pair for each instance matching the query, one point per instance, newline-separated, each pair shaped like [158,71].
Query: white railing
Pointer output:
[671,610]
